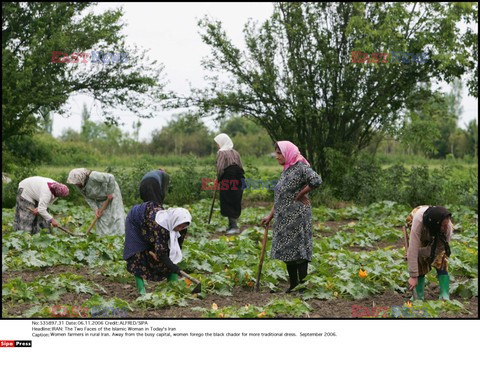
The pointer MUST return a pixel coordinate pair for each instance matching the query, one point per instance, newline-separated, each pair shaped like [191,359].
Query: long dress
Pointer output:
[95,191]
[292,226]
[230,174]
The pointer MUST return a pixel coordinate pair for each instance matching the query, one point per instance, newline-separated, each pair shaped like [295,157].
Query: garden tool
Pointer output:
[104,206]
[198,287]
[405,241]
[60,227]
[213,202]
[264,243]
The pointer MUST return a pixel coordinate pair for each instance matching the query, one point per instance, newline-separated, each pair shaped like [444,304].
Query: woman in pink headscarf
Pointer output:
[34,196]
[292,212]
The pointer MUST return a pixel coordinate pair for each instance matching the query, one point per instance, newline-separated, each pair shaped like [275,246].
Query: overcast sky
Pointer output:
[171,33]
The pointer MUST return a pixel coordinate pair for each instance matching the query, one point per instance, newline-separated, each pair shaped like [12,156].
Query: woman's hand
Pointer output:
[266,220]
[302,198]
[110,196]
[153,255]
[412,281]
[54,223]
[98,213]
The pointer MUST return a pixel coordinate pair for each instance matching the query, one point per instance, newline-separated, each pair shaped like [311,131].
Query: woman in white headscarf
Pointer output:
[230,175]
[96,187]
[153,240]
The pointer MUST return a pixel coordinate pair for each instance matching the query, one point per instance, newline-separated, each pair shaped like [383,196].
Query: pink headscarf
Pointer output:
[291,153]
[58,190]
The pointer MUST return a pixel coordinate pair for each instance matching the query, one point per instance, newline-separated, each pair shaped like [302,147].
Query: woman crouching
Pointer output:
[153,237]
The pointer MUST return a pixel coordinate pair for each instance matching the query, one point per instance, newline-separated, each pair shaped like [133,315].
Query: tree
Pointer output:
[183,134]
[297,80]
[472,138]
[46,119]
[31,81]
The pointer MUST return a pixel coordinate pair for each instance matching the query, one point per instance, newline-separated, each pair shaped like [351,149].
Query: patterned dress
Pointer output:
[95,191]
[154,238]
[292,226]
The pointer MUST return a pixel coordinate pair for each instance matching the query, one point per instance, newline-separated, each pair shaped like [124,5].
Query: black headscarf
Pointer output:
[432,219]
[154,186]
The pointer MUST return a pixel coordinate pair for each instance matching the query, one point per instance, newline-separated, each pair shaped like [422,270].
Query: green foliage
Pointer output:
[184,134]
[300,84]
[32,83]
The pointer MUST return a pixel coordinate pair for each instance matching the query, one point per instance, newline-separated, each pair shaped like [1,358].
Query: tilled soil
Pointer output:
[338,308]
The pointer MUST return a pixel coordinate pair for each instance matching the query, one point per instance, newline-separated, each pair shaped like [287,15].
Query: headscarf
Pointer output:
[58,190]
[432,219]
[169,219]
[78,176]
[224,141]
[291,153]
[154,186]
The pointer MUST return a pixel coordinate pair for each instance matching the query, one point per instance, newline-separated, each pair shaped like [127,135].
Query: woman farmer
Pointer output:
[229,175]
[153,241]
[97,187]
[431,229]
[34,196]
[292,212]
[154,186]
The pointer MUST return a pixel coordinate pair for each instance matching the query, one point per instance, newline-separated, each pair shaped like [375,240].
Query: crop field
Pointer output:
[358,270]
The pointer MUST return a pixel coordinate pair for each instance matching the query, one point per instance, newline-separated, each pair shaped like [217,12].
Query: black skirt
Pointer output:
[231,191]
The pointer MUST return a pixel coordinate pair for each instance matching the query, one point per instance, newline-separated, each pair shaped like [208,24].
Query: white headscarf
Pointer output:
[224,141]
[169,219]
[78,176]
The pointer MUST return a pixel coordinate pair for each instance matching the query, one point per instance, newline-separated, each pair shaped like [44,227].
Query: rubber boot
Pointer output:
[302,273]
[140,285]
[232,226]
[172,277]
[444,281]
[420,288]
[292,270]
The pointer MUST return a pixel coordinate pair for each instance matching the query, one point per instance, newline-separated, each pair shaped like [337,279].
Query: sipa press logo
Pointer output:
[15,343]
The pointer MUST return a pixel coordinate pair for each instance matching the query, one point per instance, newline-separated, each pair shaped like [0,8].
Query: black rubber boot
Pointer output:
[232,226]
[292,269]
[302,271]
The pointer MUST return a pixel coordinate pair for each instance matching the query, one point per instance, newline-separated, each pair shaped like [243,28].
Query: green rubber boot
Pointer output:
[140,285]
[172,277]
[444,281]
[420,288]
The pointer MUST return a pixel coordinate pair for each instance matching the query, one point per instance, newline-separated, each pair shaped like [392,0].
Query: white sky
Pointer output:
[171,33]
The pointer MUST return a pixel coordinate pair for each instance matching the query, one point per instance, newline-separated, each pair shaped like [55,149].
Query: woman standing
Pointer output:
[97,187]
[154,186]
[292,212]
[34,196]
[431,229]
[229,175]
[153,240]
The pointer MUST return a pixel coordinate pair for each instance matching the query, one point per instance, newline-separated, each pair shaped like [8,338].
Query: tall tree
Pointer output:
[31,81]
[296,77]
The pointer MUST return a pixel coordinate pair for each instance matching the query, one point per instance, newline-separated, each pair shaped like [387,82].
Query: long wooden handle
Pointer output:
[104,206]
[262,255]
[60,227]
[184,274]
[405,240]
[213,202]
